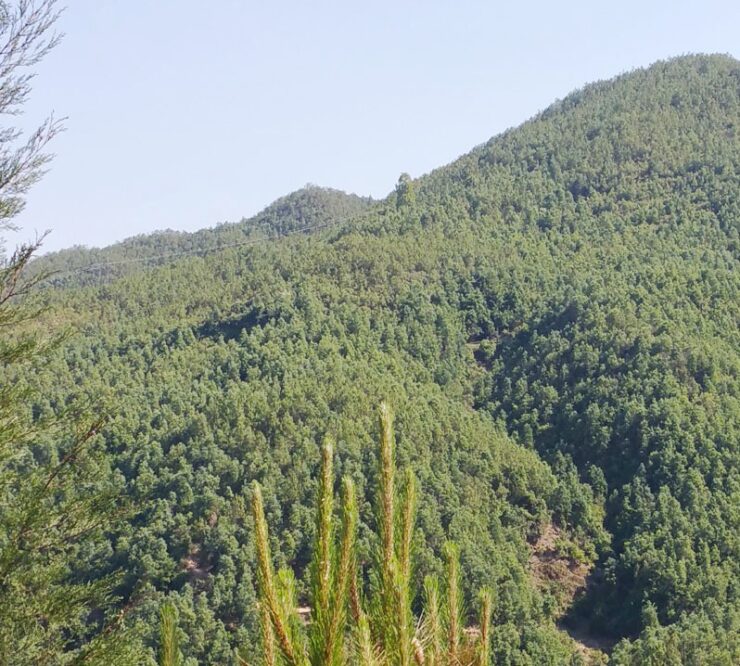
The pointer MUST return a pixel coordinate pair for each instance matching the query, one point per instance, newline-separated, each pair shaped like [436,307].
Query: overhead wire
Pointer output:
[173,255]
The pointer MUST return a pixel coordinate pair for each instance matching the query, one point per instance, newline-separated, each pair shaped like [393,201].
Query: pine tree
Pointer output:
[52,500]
[341,631]
[169,654]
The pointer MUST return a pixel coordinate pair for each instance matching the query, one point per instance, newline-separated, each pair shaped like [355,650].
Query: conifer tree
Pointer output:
[340,631]
[53,499]
[170,650]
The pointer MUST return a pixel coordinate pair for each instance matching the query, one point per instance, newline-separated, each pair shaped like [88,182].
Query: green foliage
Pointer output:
[486,606]
[432,626]
[55,487]
[169,653]
[705,637]
[57,499]
[454,615]
[389,634]
[405,192]
[302,212]
[556,317]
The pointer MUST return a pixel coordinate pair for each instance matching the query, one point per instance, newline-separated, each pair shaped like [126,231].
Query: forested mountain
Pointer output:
[554,319]
[304,211]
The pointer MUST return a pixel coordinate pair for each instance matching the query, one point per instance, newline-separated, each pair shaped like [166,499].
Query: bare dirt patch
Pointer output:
[196,564]
[555,569]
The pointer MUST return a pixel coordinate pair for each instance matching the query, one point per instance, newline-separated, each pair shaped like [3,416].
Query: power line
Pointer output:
[172,255]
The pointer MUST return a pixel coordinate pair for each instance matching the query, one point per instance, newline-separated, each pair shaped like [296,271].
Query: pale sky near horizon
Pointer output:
[184,114]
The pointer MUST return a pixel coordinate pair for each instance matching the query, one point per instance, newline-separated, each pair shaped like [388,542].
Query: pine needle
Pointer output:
[486,605]
[170,651]
[268,589]
[454,604]
[432,627]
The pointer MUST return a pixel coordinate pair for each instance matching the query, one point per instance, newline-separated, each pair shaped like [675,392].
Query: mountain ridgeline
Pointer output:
[304,211]
[554,319]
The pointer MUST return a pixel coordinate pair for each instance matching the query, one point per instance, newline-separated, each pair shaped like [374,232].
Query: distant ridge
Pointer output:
[302,211]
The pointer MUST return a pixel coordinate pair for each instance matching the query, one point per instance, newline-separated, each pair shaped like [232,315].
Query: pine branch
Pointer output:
[344,574]
[387,627]
[354,596]
[486,605]
[367,654]
[268,637]
[170,651]
[267,586]
[432,627]
[325,536]
[403,588]
[454,604]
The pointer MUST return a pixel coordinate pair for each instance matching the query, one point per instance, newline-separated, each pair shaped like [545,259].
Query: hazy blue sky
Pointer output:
[183,114]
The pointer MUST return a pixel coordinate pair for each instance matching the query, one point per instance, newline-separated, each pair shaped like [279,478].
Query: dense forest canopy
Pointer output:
[554,318]
[306,210]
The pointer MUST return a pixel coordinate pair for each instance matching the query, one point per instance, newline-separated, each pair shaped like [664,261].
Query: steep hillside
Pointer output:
[554,317]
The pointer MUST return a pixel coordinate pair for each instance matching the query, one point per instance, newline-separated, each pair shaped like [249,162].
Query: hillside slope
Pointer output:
[303,211]
[554,317]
